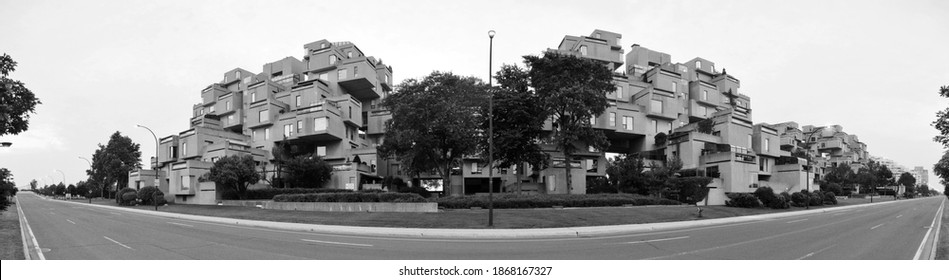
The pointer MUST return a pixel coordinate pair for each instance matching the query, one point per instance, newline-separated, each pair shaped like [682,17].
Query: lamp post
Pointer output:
[102,190]
[490,132]
[155,167]
[61,173]
[5,144]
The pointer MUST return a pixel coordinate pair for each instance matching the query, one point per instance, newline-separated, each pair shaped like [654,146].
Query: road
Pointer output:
[888,231]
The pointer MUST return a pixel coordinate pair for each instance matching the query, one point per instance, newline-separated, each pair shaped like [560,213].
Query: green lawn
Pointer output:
[11,244]
[942,253]
[504,218]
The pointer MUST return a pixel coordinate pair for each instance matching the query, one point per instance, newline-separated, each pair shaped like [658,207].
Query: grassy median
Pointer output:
[11,242]
[504,218]
[942,251]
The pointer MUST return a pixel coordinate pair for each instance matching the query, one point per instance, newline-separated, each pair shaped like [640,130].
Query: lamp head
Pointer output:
[6,144]
[491,34]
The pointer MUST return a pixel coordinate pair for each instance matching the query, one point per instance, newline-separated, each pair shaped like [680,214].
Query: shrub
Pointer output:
[786,196]
[816,198]
[550,200]
[126,196]
[690,189]
[349,197]
[147,196]
[799,199]
[269,193]
[765,195]
[416,190]
[832,187]
[743,200]
[778,202]
[830,198]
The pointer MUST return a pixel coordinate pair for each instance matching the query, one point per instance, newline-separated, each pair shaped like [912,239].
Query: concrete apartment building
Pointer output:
[921,175]
[325,105]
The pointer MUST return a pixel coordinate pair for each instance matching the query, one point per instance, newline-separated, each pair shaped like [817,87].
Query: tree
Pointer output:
[33,185]
[235,173]
[16,101]
[659,177]
[907,180]
[307,172]
[280,157]
[518,122]
[112,163]
[625,173]
[941,168]
[942,121]
[945,191]
[923,190]
[572,90]
[873,176]
[7,188]
[436,122]
[841,175]
[71,189]
[83,188]
[59,189]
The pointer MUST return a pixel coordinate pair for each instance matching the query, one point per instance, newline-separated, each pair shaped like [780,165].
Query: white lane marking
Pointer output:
[337,243]
[113,213]
[184,225]
[116,242]
[795,221]
[919,252]
[876,226]
[25,227]
[816,252]
[71,222]
[838,214]
[899,216]
[655,240]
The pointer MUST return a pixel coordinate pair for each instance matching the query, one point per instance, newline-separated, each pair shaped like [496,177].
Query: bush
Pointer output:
[690,190]
[126,196]
[349,197]
[830,198]
[416,190]
[779,202]
[832,187]
[799,199]
[786,196]
[743,200]
[816,198]
[765,195]
[269,193]
[510,201]
[147,196]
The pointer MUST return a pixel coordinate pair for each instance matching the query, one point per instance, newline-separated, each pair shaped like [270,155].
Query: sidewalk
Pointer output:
[567,232]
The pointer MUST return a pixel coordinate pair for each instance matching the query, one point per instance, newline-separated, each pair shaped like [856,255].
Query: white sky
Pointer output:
[873,67]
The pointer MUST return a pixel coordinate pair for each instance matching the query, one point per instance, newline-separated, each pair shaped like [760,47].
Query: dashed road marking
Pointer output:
[116,242]
[337,243]
[795,221]
[816,252]
[876,226]
[656,240]
[184,225]
[71,222]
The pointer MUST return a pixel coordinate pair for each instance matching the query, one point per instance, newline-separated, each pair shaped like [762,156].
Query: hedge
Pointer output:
[270,193]
[799,199]
[743,200]
[126,196]
[147,196]
[766,195]
[779,202]
[510,201]
[830,198]
[349,197]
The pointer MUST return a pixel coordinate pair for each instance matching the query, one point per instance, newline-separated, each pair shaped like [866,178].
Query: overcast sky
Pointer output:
[873,67]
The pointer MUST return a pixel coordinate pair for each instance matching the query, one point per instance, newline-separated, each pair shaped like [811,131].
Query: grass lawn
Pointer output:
[11,244]
[942,253]
[503,218]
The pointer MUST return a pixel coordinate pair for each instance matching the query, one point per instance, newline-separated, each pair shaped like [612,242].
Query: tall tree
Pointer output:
[942,120]
[626,174]
[907,180]
[7,188]
[112,163]
[307,172]
[435,123]
[16,101]
[518,122]
[571,90]
[923,190]
[941,168]
[33,185]
[873,176]
[841,175]
[235,173]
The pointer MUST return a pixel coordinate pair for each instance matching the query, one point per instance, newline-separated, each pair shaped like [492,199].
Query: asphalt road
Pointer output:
[889,231]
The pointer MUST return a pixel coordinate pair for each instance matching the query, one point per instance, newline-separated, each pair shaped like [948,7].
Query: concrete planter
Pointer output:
[417,207]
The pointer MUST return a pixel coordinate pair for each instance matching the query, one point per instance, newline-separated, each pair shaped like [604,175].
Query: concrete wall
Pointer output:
[417,207]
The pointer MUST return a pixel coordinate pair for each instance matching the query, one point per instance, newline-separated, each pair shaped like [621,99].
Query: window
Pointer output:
[323,45]
[619,93]
[319,124]
[299,126]
[705,95]
[583,50]
[184,149]
[237,75]
[185,183]
[618,42]
[628,122]
[763,164]
[767,144]
[713,68]
[333,59]
[612,119]
[749,140]
[597,35]
[387,79]
[171,152]
[230,119]
[227,105]
[656,106]
[712,171]
[321,151]
[698,64]
[654,125]
[253,96]
[591,165]
[675,87]
[264,115]
[355,71]
[325,76]
[267,133]
[349,54]
[299,100]
[341,74]
[254,135]
[201,112]
[475,169]
[211,108]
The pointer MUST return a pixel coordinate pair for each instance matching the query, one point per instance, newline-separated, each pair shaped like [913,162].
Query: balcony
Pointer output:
[723,152]
[377,121]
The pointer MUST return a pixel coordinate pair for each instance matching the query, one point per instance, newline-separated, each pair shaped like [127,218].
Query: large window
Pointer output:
[299,126]
[341,74]
[767,144]
[184,149]
[185,182]
[319,124]
[212,108]
[628,122]
[333,59]
[655,126]
[583,50]
[230,119]
[287,130]
[612,119]
[619,93]
[253,96]
[656,106]
[267,133]
[321,151]
[698,64]
[264,115]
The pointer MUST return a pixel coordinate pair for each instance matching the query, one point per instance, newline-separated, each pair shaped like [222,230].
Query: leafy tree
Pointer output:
[923,190]
[16,101]
[942,120]
[907,180]
[307,172]
[82,188]
[571,90]
[7,188]
[518,122]
[873,176]
[59,189]
[235,173]
[941,168]
[112,163]
[841,175]
[659,177]
[280,157]
[625,174]
[33,184]
[71,189]
[435,122]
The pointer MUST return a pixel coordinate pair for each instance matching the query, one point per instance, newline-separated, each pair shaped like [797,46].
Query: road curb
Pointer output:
[567,232]
[30,246]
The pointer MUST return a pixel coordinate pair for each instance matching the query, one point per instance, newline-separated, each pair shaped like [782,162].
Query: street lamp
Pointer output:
[155,167]
[61,173]
[5,144]
[90,190]
[490,132]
